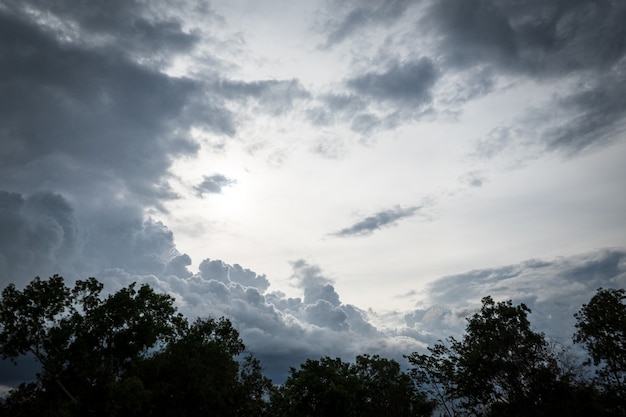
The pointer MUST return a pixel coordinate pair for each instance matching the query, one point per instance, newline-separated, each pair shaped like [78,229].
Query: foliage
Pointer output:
[372,386]
[601,329]
[129,353]
[500,367]
[197,374]
[84,342]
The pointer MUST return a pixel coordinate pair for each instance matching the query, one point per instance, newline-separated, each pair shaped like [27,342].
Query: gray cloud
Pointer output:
[316,287]
[130,27]
[597,114]
[377,221]
[334,108]
[281,331]
[553,289]
[364,13]
[220,271]
[480,44]
[408,83]
[89,125]
[365,123]
[275,97]
[543,41]
[537,37]
[213,184]
[100,113]
[474,31]
[38,234]
[474,179]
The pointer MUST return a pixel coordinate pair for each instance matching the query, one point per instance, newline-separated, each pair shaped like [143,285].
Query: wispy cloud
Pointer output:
[377,221]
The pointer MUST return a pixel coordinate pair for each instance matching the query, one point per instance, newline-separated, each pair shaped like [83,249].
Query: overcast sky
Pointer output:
[337,177]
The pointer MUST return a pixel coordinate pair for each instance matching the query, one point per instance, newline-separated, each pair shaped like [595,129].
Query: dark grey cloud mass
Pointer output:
[546,41]
[377,221]
[407,83]
[481,44]
[74,110]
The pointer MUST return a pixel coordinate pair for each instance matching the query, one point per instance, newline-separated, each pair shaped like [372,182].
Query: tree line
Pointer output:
[132,353]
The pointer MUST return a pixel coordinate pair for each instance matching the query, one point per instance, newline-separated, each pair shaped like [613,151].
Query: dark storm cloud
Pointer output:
[537,37]
[99,111]
[363,14]
[38,234]
[474,31]
[407,83]
[129,26]
[377,221]
[544,41]
[213,184]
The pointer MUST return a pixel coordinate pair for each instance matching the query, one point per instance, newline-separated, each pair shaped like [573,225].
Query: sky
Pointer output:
[335,177]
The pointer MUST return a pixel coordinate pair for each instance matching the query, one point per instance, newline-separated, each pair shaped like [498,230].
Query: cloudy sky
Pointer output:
[337,177]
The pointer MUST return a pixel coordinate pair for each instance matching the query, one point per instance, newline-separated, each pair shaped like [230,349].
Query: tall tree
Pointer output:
[601,329]
[84,342]
[198,374]
[500,367]
[127,354]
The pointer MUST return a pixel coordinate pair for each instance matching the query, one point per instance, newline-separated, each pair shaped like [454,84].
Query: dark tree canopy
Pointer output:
[601,329]
[372,386]
[501,367]
[129,353]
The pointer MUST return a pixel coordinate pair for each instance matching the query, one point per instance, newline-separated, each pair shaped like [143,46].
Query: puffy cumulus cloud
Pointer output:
[370,224]
[281,331]
[316,287]
[222,272]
